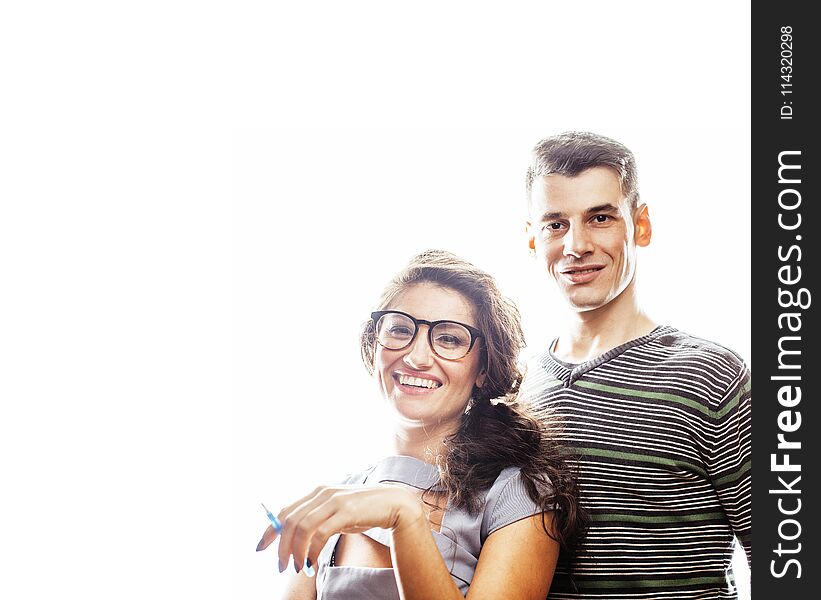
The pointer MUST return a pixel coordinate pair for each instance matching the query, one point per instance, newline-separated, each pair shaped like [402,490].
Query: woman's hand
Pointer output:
[308,523]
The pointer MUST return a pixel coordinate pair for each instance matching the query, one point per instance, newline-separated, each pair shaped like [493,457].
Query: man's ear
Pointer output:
[644,229]
[531,239]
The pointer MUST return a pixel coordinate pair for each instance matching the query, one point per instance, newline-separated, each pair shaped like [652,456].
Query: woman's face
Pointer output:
[446,385]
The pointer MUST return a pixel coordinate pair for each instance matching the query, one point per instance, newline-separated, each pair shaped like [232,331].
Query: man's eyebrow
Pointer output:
[599,208]
[603,208]
[549,216]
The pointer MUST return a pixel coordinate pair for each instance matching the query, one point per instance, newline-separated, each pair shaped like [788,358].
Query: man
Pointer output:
[658,420]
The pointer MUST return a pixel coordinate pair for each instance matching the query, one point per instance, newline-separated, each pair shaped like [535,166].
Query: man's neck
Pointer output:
[592,333]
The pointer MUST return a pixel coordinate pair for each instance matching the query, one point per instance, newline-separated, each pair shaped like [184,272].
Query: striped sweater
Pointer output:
[661,430]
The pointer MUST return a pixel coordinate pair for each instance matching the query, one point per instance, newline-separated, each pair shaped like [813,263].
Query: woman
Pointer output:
[477,500]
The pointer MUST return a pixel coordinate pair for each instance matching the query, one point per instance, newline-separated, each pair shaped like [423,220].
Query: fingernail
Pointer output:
[309,570]
[296,567]
[281,566]
[259,546]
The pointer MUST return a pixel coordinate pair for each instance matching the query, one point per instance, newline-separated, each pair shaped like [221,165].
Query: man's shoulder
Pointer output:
[667,358]
[674,345]
[664,344]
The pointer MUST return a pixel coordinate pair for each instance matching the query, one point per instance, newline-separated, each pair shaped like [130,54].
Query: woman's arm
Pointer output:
[517,562]
[300,587]
[309,523]
[420,570]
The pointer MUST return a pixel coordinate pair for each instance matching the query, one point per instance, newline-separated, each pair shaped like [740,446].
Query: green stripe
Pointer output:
[733,476]
[642,458]
[633,518]
[648,583]
[645,394]
[669,397]
[734,402]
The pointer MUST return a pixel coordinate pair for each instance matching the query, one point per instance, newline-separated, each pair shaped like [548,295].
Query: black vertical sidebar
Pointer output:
[785,192]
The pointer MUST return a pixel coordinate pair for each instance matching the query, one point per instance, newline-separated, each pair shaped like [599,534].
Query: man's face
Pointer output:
[581,228]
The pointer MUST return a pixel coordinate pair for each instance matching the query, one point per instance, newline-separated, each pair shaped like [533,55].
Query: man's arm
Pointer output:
[730,461]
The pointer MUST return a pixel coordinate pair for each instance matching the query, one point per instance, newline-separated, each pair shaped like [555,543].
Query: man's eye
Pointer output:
[554,226]
[601,218]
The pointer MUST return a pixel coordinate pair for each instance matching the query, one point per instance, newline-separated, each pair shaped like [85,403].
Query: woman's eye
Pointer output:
[451,341]
[399,331]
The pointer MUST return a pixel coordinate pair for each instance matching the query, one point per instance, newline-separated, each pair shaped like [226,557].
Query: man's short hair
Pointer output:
[572,152]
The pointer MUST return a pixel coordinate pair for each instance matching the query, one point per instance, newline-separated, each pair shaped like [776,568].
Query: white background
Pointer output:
[201,203]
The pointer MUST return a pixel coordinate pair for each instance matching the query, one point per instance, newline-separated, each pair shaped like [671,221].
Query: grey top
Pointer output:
[460,540]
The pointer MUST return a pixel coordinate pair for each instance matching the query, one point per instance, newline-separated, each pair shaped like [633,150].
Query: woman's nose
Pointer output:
[420,354]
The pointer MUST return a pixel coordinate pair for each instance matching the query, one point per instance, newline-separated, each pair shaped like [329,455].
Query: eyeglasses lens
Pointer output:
[450,340]
[395,331]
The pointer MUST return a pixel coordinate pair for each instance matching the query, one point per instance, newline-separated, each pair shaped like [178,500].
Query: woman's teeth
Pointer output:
[418,382]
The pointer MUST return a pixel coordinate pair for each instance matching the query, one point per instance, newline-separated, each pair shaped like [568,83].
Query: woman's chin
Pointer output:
[413,414]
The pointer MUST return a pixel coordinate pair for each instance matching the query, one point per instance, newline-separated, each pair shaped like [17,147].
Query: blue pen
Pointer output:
[274,521]
[307,569]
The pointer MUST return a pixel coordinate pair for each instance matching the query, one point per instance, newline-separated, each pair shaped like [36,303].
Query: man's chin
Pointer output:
[585,308]
[581,304]
[586,300]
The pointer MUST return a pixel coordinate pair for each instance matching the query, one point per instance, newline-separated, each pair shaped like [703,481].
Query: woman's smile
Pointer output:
[413,382]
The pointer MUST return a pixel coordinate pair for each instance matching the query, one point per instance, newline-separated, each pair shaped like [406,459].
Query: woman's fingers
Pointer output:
[302,527]
[314,529]
[291,519]
[268,536]
[308,523]
[339,522]
[340,512]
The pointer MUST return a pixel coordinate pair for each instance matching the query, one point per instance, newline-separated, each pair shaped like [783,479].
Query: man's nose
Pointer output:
[577,242]
[420,354]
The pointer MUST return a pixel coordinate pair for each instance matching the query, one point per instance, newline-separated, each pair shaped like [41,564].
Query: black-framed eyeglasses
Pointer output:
[450,340]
